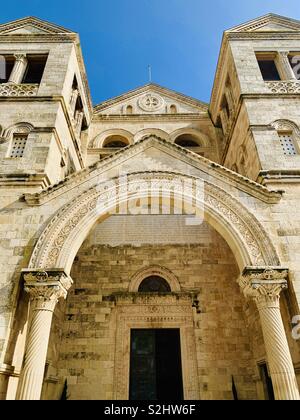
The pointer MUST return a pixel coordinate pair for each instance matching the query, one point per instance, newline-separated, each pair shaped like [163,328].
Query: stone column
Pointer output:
[19,69]
[45,289]
[284,66]
[265,287]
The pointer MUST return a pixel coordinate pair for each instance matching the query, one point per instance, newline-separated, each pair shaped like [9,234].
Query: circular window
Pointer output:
[154,284]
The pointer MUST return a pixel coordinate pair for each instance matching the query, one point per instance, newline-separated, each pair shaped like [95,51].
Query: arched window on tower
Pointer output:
[154,284]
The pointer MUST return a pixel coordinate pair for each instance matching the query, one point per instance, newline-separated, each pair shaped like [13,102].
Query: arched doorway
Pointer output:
[248,243]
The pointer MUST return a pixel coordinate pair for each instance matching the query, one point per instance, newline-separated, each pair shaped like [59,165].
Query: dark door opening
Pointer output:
[267,382]
[155,365]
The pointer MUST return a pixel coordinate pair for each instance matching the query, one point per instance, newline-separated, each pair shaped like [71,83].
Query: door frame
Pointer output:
[151,311]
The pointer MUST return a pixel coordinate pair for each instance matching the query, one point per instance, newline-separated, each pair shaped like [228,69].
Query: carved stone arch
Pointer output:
[151,132]
[64,235]
[202,139]
[19,128]
[99,140]
[286,125]
[158,271]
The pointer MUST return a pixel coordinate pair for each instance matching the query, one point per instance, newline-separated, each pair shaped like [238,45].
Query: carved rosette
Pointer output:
[264,286]
[46,288]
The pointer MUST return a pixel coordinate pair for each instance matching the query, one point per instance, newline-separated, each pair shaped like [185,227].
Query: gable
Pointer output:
[31,26]
[151,99]
[269,23]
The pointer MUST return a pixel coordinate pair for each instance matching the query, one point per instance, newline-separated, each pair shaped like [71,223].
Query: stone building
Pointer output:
[150,245]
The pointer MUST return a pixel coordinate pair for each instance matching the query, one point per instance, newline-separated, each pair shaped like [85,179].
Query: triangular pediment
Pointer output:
[269,23]
[151,99]
[31,26]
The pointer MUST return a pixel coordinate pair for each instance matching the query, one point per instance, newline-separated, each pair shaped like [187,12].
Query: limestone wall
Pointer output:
[222,339]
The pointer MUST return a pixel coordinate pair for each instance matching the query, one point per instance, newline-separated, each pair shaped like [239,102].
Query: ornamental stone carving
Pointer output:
[52,249]
[264,286]
[8,89]
[151,102]
[284,86]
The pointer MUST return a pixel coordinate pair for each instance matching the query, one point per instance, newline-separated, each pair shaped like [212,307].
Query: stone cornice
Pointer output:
[191,158]
[154,117]
[260,22]
[279,176]
[24,180]
[263,35]
[38,38]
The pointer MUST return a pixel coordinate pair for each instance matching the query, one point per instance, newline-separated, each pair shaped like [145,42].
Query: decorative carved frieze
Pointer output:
[284,86]
[11,89]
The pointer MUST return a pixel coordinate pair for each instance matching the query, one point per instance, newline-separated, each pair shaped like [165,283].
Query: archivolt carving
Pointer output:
[20,128]
[286,125]
[76,218]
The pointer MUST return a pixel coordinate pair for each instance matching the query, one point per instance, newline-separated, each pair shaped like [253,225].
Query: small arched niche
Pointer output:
[154,284]
[173,109]
[188,141]
[154,279]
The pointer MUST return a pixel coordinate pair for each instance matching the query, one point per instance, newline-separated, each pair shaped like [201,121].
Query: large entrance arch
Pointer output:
[60,241]
[48,275]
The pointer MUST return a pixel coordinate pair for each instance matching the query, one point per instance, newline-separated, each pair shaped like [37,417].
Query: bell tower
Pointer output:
[45,107]
[256,99]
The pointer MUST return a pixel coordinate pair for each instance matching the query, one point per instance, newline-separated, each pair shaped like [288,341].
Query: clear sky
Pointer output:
[179,38]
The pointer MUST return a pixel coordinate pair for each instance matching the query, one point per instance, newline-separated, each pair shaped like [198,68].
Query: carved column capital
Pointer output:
[264,285]
[45,288]
[20,57]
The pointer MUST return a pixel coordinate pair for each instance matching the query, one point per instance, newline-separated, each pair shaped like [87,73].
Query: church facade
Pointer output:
[150,245]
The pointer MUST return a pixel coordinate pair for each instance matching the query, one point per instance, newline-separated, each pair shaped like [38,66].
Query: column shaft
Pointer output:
[32,376]
[45,289]
[19,69]
[278,354]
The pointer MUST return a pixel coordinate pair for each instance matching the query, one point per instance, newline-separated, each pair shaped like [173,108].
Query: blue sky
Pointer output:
[179,38]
